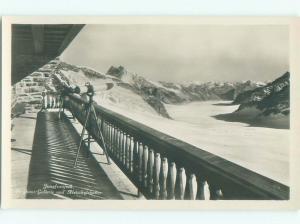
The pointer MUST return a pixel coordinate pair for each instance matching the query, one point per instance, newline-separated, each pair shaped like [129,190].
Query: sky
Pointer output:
[179,53]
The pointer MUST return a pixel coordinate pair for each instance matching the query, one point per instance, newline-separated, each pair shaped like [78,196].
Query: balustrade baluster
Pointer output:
[163,178]
[110,128]
[102,125]
[115,142]
[103,131]
[111,134]
[128,145]
[107,131]
[49,100]
[150,171]
[135,159]
[145,166]
[113,128]
[192,187]
[157,164]
[121,146]
[181,183]
[124,148]
[54,101]
[46,100]
[108,136]
[131,146]
[206,191]
[172,180]
[112,139]
[57,101]
[141,149]
[118,144]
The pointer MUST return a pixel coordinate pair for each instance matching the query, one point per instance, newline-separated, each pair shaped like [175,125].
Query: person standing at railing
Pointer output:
[44,101]
[48,100]
[64,97]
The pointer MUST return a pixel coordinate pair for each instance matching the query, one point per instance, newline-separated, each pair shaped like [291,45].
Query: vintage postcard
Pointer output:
[150,112]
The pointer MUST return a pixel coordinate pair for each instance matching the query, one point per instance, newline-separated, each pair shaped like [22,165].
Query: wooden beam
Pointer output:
[30,54]
[38,38]
[56,32]
[69,37]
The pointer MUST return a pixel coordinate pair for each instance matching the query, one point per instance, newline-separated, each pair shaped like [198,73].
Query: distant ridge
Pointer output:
[267,106]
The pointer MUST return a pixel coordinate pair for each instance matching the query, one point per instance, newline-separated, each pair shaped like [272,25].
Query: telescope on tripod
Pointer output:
[91,112]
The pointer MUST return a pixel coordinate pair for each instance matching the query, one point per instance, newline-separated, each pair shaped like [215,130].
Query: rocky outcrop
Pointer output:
[267,106]
[157,105]
[118,72]
[274,94]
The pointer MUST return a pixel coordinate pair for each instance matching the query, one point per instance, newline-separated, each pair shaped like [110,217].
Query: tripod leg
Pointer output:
[82,136]
[89,145]
[101,136]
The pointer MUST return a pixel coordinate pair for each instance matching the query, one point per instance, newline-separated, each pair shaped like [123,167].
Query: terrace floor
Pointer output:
[43,152]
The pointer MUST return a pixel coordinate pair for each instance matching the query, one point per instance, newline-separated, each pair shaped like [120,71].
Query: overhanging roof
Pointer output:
[35,45]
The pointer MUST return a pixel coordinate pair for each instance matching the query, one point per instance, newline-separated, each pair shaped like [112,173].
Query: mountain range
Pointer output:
[268,98]
[134,92]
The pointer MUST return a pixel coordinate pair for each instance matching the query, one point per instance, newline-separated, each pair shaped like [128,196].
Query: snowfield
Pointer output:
[263,150]
[118,98]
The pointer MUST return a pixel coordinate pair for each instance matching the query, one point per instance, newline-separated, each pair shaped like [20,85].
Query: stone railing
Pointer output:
[163,167]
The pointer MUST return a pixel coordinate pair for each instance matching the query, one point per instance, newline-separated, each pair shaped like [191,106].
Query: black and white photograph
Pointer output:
[177,110]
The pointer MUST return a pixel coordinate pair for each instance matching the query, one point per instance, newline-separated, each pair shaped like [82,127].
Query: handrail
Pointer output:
[163,167]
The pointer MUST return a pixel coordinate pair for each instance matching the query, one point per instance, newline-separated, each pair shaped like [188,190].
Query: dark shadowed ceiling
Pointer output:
[35,45]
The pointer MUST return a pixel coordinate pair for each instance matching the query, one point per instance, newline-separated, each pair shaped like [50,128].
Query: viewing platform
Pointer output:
[43,154]
[146,164]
